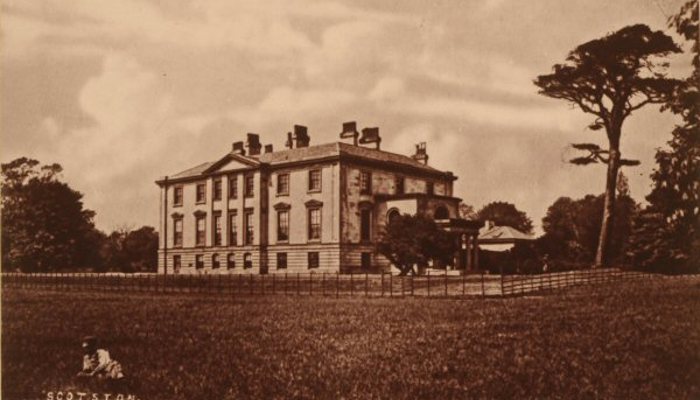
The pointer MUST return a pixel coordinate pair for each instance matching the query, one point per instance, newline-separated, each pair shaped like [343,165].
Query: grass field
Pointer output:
[633,340]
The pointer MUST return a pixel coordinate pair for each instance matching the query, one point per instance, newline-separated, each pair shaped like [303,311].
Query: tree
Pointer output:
[610,78]
[129,250]
[44,225]
[467,211]
[667,233]
[505,214]
[416,240]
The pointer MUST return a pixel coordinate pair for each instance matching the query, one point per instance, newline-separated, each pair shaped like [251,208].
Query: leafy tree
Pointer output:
[467,211]
[572,227]
[129,250]
[416,240]
[610,78]
[44,225]
[667,233]
[505,214]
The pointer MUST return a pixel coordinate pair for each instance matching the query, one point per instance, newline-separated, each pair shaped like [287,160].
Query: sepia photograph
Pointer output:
[349,199]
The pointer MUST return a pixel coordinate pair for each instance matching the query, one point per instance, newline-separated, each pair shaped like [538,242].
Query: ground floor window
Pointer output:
[177,262]
[231,261]
[313,259]
[247,260]
[366,260]
[199,261]
[215,261]
[281,260]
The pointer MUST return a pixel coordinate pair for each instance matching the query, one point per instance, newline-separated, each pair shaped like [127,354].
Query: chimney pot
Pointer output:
[268,148]
[238,148]
[421,154]
[253,144]
[301,136]
[350,131]
[369,136]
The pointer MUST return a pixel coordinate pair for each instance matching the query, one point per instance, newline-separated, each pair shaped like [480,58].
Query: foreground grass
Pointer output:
[638,340]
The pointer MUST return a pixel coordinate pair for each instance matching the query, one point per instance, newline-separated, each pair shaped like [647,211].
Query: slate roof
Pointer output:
[501,234]
[321,151]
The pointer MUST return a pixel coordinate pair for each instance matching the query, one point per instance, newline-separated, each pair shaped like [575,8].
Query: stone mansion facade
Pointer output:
[304,208]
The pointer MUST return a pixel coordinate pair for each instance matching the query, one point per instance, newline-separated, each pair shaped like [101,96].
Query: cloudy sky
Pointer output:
[123,92]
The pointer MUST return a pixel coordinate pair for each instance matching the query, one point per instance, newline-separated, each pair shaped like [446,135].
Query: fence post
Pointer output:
[352,284]
[445,280]
[366,285]
[483,286]
[382,283]
[311,283]
[323,284]
[391,285]
[298,284]
[428,283]
[412,277]
[337,284]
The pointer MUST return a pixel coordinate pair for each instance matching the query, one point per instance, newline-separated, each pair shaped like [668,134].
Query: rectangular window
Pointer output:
[201,233]
[281,260]
[315,224]
[365,182]
[366,260]
[249,185]
[177,196]
[233,229]
[201,193]
[217,229]
[430,187]
[365,224]
[313,259]
[215,261]
[315,180]
[217,190]
[233,187]
[282,225]
[177,262]
[177,232]
[249,227]
[199,261]
[283,184]
[231,261]
[399,185]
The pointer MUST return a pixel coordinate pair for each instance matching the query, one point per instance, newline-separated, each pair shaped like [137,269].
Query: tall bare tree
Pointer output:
[610,78]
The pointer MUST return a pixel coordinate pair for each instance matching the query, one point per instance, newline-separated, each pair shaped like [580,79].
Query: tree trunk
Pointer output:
[601,258]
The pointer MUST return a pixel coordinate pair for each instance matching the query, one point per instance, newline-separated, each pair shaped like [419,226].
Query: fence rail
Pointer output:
[322,284]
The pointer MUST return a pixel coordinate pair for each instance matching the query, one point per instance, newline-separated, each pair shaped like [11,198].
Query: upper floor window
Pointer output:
[365,182]
[249,227]
[201,232]
[233,187]
[249,185]
[314,224]
[283,184]
[201,192]
[177,232]
[430,187]
[399,185]
[282,225]
[233,228]
[177,196]
[315,180]
[217,229]
[217,189]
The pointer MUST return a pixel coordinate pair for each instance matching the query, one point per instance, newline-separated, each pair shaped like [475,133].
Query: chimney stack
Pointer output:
[421,155]
[238,148]
[370,136]
[268,148]
[301,136]
[350,131]
[253,144]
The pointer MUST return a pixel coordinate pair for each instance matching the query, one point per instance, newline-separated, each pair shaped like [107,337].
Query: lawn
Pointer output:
[631,340]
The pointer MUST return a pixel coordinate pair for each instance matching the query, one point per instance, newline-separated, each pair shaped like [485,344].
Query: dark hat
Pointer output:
[89,341]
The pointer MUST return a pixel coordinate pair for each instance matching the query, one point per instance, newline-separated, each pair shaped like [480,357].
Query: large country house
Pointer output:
[304,208]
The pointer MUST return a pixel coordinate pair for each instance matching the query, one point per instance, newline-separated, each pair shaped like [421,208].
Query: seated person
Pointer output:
[97,363]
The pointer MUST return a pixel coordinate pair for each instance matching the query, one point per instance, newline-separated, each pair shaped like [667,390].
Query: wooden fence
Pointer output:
[322,284]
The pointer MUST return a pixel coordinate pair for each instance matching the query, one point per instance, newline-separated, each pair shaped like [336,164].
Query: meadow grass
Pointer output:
[630,340]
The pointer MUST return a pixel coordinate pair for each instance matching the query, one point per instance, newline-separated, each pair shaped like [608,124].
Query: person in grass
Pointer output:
[97,362]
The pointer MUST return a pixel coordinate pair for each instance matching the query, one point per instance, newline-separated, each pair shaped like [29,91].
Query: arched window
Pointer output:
[231,261]
[215,261]
[247,260]
[442,213]
[392,215]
